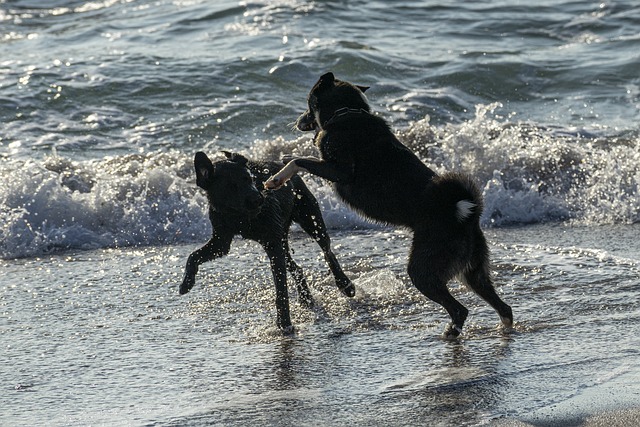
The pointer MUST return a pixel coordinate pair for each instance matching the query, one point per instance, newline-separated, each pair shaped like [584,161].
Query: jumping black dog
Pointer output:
[378,176]
[237,207]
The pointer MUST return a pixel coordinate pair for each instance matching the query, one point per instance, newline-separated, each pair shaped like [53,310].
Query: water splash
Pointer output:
[529,174]
[535,174]
[119,201]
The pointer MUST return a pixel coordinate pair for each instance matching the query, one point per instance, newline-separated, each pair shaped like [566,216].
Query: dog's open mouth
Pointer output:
[307,126]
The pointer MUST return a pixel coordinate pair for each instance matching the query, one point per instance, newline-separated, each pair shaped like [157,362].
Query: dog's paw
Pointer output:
[273,183]
[188,282]
[451,332]
[285,174]
[346,287]
[507,322]
[288,330]
[185,287]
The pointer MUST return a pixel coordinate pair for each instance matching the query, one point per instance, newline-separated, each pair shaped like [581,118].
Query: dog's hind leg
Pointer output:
[216,247]
[307,214]
[480,282]
[304,293]
[478,278]
[430,270]
[277,258]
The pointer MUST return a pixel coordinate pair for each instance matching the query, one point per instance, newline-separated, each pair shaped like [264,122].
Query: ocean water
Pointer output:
[103,105]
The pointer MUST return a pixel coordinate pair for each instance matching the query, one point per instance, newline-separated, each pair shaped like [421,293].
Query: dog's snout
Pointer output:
[306,122]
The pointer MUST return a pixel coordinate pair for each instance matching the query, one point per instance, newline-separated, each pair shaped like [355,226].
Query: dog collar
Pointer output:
[343,112]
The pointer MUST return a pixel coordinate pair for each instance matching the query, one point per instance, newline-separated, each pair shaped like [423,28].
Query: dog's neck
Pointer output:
[343,112]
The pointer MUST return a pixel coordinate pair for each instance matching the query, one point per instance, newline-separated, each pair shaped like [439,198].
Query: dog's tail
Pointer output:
[462,195]
[464,209]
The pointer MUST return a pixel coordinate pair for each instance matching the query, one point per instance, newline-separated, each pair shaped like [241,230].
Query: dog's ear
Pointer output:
[235,157]
[363,89]
[204,169]
[326,81]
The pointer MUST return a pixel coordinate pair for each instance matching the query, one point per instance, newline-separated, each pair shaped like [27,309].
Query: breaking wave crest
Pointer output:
[529,174]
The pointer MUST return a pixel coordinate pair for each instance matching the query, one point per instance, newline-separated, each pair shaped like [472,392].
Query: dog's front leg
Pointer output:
[276,253]
[284,175]
[328,170]
[214,248]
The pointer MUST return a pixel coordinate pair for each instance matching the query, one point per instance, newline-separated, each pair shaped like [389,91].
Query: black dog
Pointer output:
[382,179]
[236,207]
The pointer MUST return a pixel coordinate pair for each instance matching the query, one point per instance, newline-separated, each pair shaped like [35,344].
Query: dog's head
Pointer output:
[327,96]
[229,183]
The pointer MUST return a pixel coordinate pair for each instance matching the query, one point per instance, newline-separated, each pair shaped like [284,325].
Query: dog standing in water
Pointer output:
[375,174]
[237,207]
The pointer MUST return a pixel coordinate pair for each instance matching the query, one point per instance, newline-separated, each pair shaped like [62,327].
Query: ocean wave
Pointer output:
[529,174]
[130,200]
[535,174]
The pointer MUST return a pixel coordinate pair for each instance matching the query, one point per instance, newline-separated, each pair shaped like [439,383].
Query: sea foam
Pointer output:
[528,174]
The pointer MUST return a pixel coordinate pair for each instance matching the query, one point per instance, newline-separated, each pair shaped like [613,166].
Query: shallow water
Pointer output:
[102,337]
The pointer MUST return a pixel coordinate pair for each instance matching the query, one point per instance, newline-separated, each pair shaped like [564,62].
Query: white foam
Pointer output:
[528,175]
[532,174]
[131,200]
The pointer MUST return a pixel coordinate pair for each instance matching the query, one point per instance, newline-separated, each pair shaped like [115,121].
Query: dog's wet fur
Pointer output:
[237,207]
[375,174]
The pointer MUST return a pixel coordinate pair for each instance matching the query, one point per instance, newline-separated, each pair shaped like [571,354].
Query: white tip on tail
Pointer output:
[464,209]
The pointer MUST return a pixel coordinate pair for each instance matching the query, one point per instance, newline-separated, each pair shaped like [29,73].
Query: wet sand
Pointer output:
[611,418]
